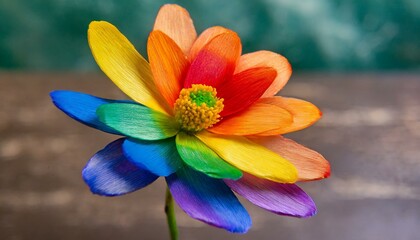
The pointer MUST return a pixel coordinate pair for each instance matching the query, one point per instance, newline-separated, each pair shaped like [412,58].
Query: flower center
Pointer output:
[197,108]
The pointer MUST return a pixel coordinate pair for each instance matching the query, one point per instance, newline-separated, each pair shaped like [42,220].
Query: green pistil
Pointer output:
[199,97]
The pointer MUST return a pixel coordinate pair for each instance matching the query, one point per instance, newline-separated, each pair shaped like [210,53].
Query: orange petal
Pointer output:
[257,118]
[267,59]
[216,61]
[310,164]
[168,65]
[176,22]
[244,88]
[204,38]
[304,113]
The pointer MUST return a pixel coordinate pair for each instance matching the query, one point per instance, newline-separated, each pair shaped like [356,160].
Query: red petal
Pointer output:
[267,59]
[216,61]
[204,38]
[245,88]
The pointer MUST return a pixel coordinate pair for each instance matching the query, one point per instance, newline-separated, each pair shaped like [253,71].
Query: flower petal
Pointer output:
[176,22]
[204,38]
[208,200]
[310,164]
[250,157]
[279,198]
[169,65]
[158,157]
[304,114]
[121,62]
[216,61]
[82,107]
[267,59]
[244,89]
[258,118]
[137,121]
[198,156]
[109,173]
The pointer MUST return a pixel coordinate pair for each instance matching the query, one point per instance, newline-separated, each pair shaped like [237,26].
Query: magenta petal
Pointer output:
[283,199]
[209,200]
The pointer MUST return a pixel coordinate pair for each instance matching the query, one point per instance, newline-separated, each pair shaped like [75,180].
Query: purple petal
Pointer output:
[109,173]
[208,200]
[283,199]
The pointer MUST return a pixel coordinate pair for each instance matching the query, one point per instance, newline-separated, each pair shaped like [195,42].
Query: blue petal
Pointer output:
[208,200]
[159,157]
[82,107]
[109,173]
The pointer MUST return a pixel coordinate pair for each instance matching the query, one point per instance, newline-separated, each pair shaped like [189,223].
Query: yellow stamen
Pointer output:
[198,108]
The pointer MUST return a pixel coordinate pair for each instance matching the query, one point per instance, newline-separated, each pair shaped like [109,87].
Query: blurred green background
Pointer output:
[325,35]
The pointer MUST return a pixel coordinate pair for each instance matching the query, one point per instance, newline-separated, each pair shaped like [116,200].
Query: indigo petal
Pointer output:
[82,107]
[109,173]
[208,200]
[283,199]
[158,157]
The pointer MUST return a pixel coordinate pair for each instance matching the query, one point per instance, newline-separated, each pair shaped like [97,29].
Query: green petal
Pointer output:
[137,121]
[198,156]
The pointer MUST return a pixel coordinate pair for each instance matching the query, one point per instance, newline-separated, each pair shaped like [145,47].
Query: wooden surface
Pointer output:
[370,132]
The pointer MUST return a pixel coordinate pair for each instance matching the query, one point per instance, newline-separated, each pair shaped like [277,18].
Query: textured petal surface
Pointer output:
[137,121]
[245,88]
[198,156]
[304,113]
[267,59]
[204,38]
[280,198]
[250,157]
[109,173]
[158,157]
[176,22]
[208,200]
[310,164]
[121,62]
[169,65]
[82,107]
[216,61]
[258,118]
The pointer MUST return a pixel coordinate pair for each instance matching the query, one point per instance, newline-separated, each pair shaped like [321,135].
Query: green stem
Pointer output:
[170,215]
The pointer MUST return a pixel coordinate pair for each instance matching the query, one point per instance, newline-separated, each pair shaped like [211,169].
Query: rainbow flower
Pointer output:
[203,116]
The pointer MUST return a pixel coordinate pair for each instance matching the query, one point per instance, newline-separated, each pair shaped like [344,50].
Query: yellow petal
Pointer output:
[176,22]
[310,164]
[304,113]
[169,65]
[250,157]
[121,62]
[267,59]
[258,118]
[204,38]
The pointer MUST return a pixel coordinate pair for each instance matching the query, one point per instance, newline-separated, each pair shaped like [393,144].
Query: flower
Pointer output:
[204,117]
